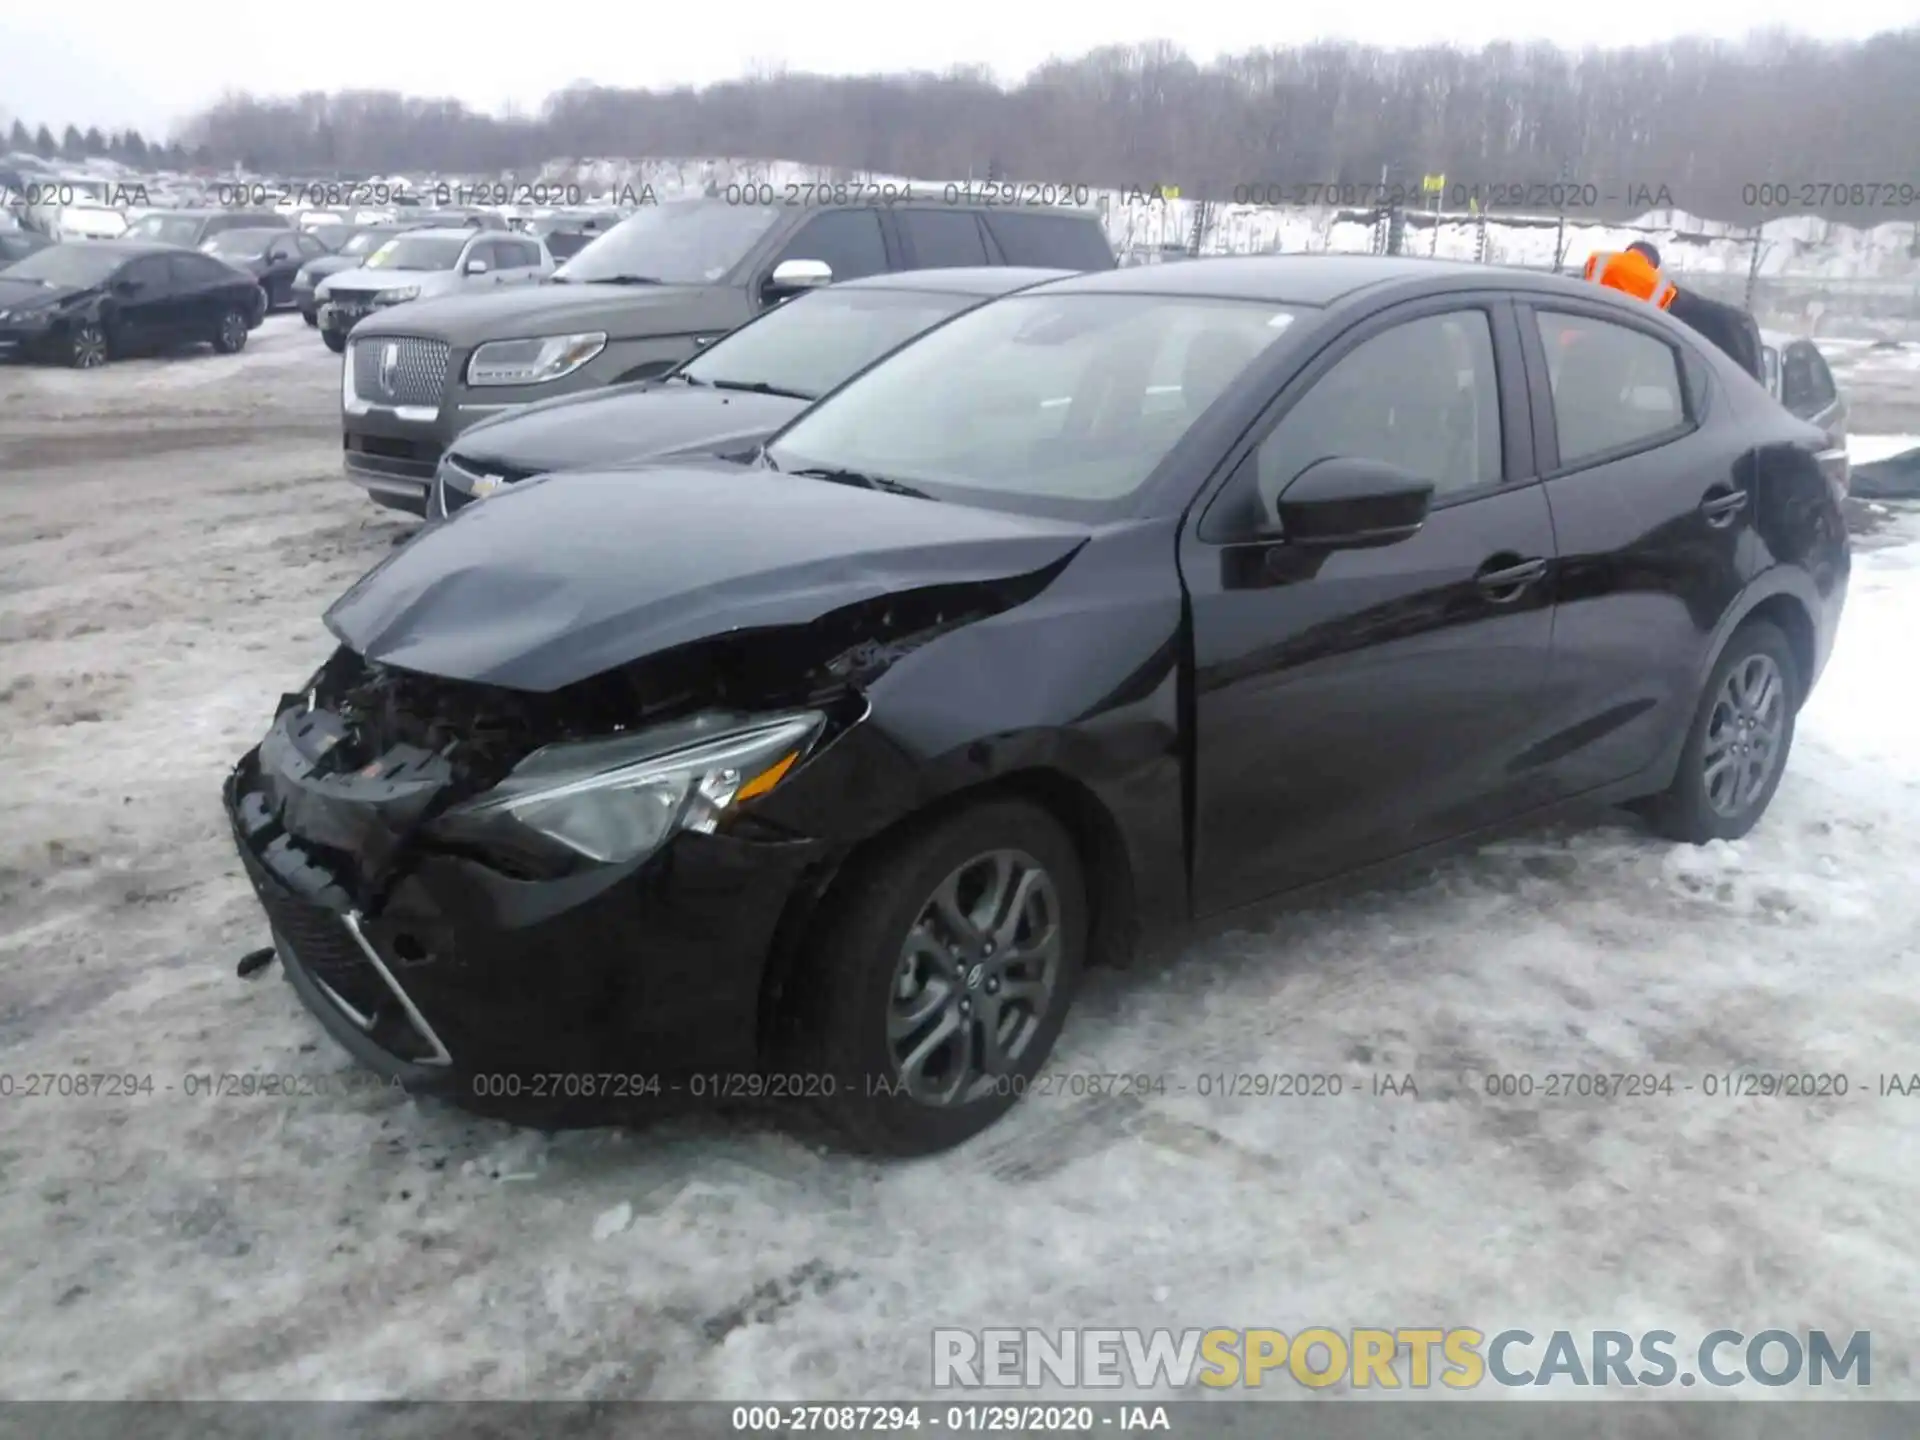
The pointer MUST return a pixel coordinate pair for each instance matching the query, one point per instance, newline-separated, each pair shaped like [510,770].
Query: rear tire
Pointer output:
[1737,747]
[336,342]
[966,935]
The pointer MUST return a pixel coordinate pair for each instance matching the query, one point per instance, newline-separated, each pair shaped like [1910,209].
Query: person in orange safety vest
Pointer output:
[1633,271]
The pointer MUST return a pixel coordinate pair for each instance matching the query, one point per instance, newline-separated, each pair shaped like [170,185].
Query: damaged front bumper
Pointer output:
[566,997]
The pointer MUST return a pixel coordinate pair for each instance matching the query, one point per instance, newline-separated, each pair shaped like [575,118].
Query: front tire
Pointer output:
[1736,750]
[311,317]
[940,978]
[336,342]
[230,337]
[87,347]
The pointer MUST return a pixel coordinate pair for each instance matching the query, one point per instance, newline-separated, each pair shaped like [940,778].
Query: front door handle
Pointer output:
[1504,579]
[1722,504]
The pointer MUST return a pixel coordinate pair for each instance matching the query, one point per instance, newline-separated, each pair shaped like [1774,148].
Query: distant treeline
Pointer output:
[1773,125]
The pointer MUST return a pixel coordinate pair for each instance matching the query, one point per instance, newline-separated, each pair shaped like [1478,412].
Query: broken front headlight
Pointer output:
[618,799]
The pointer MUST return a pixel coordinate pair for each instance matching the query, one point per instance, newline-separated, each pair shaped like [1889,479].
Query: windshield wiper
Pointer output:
[758,387]
[861,479]
[625,280]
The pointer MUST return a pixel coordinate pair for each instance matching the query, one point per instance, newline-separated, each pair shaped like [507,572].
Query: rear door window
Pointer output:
[1615,388]
[941,239]
[1062,242]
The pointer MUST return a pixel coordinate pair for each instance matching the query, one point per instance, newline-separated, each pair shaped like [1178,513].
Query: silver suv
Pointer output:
[427,264]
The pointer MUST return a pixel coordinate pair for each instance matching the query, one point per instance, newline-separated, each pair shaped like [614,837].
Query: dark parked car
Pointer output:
[728,398]
[1798,377]
[1130,600]
[193,228]
[638,301]
[89,301]
[350,254]
[272,257]
[18,244]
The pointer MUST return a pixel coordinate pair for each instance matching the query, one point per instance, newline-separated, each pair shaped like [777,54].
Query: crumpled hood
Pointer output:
[619,426]
[32,295]
[559,579]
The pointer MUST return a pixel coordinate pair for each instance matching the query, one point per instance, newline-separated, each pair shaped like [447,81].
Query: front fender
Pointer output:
[1084,681]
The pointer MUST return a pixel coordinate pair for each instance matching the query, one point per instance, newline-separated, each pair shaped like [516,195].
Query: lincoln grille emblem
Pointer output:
[389,366]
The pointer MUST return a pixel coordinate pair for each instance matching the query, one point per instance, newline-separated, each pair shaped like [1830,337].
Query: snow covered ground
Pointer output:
[167,540]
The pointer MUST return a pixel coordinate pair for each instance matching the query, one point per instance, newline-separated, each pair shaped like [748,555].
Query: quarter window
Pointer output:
[1614,387]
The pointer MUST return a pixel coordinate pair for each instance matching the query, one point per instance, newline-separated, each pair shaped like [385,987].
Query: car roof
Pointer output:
[204,212]
[1309,280]
[959,280]
[255,230]
[447,232]
[130,249]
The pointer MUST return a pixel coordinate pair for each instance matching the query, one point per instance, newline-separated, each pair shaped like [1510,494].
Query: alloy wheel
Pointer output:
[1744,733]
[976,979]
[233,330]
[89,347]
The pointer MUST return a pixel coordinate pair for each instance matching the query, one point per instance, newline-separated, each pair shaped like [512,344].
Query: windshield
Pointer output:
[78,265]
[366,242]
[168,229]
[813,342]
[683,242]
[418,252]
[240,242]
[1066,400]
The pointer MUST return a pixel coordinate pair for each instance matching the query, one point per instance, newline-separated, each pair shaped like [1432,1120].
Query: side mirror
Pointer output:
[1349,504]
[791,275]
[126,287]
[475,267]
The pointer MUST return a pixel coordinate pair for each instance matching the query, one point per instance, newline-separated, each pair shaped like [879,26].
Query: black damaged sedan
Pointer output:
[1114,605]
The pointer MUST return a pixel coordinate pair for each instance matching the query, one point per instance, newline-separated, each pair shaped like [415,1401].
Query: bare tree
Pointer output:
[1733,131]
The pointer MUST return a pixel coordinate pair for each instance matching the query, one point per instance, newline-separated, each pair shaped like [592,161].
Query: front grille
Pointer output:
[400,370]
[319,937]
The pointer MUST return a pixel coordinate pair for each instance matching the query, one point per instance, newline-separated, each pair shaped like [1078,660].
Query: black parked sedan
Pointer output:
[86,302]
[272,257]
[1129,600]
[727,398]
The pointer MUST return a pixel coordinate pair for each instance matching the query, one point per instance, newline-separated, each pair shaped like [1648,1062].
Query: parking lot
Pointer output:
[171,530]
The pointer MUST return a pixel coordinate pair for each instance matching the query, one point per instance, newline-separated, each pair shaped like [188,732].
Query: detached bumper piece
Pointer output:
[323,945]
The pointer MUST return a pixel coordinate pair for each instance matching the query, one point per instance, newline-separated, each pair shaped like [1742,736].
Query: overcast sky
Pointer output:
[114,63]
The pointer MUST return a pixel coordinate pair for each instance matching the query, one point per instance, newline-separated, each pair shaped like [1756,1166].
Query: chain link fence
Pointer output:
[1808,302]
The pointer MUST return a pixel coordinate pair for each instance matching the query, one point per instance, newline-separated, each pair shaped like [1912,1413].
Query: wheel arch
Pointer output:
[1106,870]
[1780,604]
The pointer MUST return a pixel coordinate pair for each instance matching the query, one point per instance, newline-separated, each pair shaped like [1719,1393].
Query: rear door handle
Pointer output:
[1510,580]
[1722,504]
